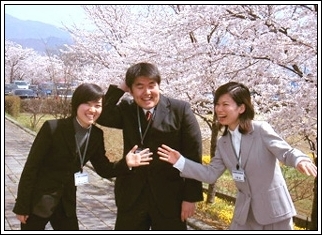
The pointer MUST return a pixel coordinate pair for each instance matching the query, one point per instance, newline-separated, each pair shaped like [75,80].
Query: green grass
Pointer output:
[25,120]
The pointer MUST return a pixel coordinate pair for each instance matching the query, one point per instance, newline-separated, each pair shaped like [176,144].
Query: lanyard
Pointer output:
[140,128]
[82,157]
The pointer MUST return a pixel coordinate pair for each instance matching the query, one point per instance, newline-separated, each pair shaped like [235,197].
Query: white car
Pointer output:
[22,84]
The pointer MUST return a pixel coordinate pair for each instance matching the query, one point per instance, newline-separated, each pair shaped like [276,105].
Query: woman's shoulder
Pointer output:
[262,126]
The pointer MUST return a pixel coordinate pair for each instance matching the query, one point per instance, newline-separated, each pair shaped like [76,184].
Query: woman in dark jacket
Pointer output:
[54,167]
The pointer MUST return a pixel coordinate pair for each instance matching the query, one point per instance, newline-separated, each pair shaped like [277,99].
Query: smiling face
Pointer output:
[146,92]
[88,113]
[227,111]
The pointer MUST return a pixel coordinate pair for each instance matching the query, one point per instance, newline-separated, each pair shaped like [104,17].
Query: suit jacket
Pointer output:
[264,189]
[173,124]
[52,162]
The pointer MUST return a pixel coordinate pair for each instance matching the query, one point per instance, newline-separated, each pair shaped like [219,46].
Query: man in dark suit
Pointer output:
[153,197]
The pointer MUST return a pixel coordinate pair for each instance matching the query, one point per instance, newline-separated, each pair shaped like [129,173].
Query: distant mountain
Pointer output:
[36,35]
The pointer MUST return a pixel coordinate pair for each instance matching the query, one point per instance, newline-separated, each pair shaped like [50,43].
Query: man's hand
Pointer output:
[135,158]
[22,218]
[187,210]
[124,87]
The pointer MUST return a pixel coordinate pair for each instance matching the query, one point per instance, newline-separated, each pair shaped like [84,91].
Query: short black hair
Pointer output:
[142,69]
[84,93]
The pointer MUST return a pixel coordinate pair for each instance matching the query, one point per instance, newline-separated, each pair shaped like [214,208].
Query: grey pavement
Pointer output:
[96,208]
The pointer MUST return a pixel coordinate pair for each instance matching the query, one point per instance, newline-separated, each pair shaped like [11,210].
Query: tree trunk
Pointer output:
[213,144]
[314,213]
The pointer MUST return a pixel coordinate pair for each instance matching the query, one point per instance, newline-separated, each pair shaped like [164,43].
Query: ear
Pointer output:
[242,108]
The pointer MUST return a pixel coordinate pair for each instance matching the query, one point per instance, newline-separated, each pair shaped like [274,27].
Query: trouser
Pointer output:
[145,215]
[58,221]
[252,224]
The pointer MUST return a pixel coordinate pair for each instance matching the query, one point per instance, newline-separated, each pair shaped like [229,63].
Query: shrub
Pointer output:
[59,108]
[12,105]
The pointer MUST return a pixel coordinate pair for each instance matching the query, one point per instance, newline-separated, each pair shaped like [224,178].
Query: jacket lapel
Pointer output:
[246,142]
[161,111]
[245,146]
[229,151]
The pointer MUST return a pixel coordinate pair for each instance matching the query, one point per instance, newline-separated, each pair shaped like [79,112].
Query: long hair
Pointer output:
[241,95]
[84,93]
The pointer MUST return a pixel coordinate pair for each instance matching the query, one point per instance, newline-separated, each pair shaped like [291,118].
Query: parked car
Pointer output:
[9,87]
[64,93]
[22,84]
[24,93]
[47,88]
[40,93]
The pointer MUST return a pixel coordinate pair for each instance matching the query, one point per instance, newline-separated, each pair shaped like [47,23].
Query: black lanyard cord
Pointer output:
[140,128]
[82,156]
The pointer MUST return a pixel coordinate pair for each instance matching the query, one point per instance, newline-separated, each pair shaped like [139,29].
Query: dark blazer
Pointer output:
[264,190]
[173,124]
[52,162]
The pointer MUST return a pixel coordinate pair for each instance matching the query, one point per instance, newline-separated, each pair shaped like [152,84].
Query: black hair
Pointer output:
[84,93]
[241,95]
[142,70]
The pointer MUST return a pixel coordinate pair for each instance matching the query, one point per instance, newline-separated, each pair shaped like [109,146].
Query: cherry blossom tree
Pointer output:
[270,48]
[199,47]
[16,59]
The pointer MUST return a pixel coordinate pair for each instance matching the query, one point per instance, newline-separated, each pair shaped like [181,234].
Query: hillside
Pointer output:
[36,35]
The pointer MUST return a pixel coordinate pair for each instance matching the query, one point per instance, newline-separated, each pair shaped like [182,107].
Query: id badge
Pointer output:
[80,178]
[238,175]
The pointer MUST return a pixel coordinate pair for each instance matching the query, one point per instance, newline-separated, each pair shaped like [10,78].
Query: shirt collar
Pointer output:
[79,127]
[151,110]
[235,132]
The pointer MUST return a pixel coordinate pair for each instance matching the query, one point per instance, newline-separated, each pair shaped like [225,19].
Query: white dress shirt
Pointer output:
[236,139]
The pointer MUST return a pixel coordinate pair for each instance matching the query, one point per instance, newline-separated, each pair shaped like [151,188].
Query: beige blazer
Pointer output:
[264,189]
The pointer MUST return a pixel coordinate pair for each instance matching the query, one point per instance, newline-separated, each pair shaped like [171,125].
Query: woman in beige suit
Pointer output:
[251,151]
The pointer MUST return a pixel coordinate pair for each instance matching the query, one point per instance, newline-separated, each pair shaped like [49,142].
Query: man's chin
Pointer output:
[147,105]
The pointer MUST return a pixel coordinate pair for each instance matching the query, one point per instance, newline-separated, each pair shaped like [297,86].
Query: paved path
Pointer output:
[95,201]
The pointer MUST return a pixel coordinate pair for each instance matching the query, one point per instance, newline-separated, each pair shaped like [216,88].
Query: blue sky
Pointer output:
[47,13]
